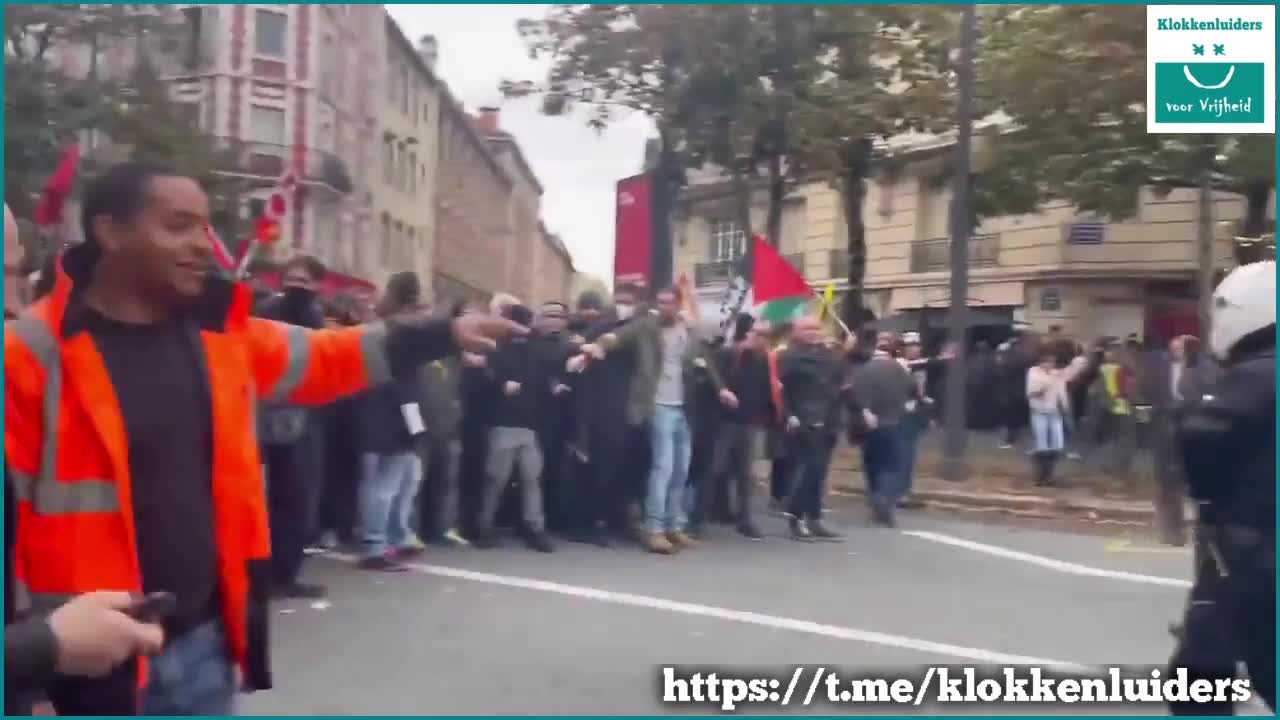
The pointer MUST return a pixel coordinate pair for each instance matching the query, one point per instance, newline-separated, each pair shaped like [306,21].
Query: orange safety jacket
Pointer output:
[68,453]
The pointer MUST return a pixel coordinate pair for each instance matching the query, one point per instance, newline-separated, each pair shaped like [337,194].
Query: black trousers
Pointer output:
[339,500]
[701,466]
[293,491]
[555,470]
[779,476]
[603,486]
[732,469]
[810,458]
[471,478]
[1229,617]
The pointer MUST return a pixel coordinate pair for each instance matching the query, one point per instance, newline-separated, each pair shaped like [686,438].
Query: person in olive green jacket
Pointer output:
[667,349]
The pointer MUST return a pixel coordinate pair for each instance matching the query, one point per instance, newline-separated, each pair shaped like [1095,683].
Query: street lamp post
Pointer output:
[954,466]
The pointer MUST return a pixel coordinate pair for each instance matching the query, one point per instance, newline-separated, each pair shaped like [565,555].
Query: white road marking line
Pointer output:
[752,618]
[1044,562]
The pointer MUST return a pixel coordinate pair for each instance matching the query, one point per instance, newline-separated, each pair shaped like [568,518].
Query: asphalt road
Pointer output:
[587,630]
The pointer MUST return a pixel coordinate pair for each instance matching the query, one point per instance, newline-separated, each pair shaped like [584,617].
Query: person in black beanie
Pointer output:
[521,379]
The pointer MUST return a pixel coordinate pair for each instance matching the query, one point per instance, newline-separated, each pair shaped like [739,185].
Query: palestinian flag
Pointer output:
[779,292]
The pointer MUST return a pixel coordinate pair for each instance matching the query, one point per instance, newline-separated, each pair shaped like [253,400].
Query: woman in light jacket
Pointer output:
[1049,405]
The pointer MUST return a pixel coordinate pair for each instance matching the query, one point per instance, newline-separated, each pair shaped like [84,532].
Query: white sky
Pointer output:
[577,167]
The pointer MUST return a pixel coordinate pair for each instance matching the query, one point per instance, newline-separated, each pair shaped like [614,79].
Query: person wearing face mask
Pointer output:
[667,351]
[553,345]
[293,442]
[603,434]
[522,379]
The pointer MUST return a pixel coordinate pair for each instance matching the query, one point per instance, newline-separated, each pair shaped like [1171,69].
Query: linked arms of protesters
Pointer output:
[314,367]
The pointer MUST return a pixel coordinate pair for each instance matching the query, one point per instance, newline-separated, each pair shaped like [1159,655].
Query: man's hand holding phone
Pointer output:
[98,631]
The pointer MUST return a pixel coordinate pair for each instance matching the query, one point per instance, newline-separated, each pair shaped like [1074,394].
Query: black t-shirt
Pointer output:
[746,374]
[160,384]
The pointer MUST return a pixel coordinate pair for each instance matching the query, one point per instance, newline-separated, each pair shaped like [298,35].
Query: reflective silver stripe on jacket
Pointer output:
[373,349]
[298,351]
[59,497]
[40,603]
[373,353]
[47,494]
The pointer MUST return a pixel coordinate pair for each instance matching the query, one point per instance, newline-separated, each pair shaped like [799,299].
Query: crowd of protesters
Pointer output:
[208,437]
[618,422]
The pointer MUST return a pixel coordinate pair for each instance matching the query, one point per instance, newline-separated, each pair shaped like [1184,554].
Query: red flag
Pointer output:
[772,276]
[49,209]
[266,230]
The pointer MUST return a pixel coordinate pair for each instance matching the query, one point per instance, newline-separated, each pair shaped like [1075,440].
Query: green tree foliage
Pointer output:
[1072,79]
[45,108]
[801,91]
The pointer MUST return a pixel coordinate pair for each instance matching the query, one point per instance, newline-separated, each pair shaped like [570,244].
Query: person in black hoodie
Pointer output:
[1228,449]
[338,502]
[522,379]
[811,376]
[578,496]
[390,426]
[605,442]
[293,442]
[553,345]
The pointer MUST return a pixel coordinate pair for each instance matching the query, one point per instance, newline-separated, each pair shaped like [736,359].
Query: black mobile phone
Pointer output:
[154,607]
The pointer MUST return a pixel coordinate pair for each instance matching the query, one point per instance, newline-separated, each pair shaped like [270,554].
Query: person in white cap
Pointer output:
[1228,444]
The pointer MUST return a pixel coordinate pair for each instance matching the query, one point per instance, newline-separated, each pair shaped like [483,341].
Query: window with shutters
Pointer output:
[728,241]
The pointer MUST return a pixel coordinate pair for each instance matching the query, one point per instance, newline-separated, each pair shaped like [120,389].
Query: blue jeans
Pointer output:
[193,675]
[884,453]
[664,509]
[1047,430]
[387,492]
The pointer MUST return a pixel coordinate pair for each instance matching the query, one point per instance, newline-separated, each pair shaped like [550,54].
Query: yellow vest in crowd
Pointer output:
[1111,376]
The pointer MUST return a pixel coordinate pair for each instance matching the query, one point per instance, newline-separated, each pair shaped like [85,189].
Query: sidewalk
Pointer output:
[1000,480]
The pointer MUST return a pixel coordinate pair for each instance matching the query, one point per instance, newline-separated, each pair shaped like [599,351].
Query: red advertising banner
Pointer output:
[633,240]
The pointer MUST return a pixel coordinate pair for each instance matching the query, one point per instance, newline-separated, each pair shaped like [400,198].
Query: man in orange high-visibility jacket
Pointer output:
[130,433]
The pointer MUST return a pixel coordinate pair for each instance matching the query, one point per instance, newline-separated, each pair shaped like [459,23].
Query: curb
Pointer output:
[1022,504]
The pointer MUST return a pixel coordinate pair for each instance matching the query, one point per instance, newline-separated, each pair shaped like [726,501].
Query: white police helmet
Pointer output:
[1243,303]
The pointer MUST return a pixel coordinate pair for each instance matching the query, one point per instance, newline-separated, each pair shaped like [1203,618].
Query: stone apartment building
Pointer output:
[1053,268]
[291,87]
[409,150]
[553,271]
[490,237]
[393,172]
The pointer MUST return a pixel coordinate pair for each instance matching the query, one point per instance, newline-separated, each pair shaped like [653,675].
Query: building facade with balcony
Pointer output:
[710,242]
[404,187]
[1055,269]
[289,88]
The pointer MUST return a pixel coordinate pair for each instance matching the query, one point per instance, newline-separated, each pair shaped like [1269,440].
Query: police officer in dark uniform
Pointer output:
[1228,446]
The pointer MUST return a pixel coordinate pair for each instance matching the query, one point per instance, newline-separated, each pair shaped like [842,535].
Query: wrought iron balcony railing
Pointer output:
[271,160]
